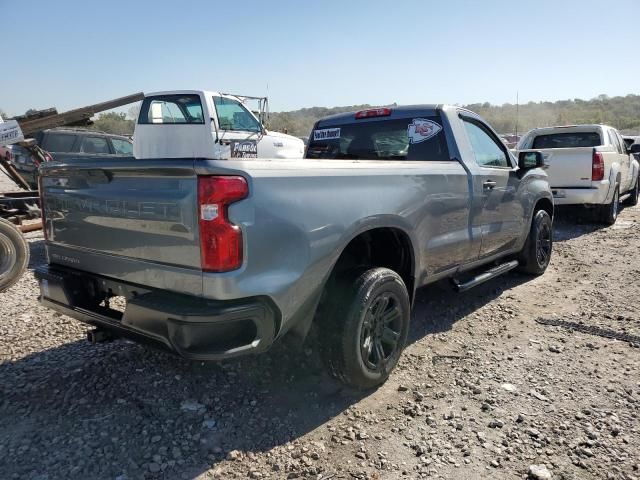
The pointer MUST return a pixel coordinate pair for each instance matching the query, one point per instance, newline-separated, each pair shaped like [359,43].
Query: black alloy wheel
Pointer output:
[380,332]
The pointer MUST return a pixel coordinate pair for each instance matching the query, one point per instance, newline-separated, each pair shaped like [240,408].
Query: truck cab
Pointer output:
[219,258]
[206,125]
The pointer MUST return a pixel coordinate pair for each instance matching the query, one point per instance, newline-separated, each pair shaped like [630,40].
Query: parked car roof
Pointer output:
[85,131]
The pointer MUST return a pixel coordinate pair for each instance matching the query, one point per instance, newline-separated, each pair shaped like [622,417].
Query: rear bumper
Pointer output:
[193,327]
[598,194]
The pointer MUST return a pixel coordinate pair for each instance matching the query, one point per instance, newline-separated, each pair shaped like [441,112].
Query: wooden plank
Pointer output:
[78,115]
[13,173]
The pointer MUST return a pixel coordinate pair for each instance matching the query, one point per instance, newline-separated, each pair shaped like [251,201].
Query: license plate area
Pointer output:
[114,306]
[90,293]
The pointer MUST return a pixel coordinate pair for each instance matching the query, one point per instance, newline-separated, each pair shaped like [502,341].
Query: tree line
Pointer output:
[622,112]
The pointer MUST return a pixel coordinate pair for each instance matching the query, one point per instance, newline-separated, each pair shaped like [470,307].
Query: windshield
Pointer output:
[232,115]
[398,139]
[122,146]
[568,140]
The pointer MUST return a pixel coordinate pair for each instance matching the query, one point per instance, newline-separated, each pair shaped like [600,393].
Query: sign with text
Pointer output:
[10,133]
[244,149]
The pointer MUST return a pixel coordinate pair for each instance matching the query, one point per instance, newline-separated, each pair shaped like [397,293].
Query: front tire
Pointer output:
[536,253]
[365,326]
[14,254]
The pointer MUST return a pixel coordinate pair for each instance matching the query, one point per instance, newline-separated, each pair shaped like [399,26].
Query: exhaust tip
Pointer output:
[99,335]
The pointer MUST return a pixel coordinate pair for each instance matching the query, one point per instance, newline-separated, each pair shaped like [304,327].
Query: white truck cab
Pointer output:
[208,125]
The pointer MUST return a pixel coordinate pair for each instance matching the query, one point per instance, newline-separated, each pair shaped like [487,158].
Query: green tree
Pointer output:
[113,122]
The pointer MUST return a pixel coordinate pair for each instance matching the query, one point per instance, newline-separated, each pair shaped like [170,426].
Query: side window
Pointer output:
[623,148]
[171,109]
[616,140]
[59,142]
[487,151]
[232,115]
[122,147]
[613,142]
[95,145]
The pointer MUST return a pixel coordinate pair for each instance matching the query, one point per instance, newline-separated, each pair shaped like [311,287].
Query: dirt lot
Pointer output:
[482,391]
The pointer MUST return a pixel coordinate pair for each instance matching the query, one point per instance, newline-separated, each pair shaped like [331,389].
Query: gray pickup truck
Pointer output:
[217,258]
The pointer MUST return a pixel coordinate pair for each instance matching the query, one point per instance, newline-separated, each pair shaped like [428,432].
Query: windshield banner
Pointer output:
[326,134]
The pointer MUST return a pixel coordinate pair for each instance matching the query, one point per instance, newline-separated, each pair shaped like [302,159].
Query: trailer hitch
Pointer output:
[99,335]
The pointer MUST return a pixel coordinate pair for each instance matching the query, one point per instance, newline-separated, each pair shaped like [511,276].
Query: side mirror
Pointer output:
[529,160]
[635,148]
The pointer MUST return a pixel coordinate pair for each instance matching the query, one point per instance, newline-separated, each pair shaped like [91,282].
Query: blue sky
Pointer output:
[322,53]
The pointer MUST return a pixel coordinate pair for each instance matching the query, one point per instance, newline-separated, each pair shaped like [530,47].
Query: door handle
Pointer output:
[489,185]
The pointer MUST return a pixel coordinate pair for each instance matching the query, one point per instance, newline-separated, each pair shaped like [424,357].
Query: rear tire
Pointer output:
[363,326]
[14,254]
[632,201]
[535,256]
[609,212]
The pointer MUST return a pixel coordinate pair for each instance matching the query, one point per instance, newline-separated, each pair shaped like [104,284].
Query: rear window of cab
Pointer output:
[183,109]
[567,140]
[416,138]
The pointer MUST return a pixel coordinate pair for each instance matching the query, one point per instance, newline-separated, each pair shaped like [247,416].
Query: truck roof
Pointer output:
[188,92]
[583,127]
[83,131]
[397,111]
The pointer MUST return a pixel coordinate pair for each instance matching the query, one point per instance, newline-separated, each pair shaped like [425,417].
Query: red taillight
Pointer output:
[220,240]
[597,166]
[374,112]
[42,216]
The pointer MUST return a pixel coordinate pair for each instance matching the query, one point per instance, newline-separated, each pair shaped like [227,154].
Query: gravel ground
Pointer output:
[6,184]
[482,391]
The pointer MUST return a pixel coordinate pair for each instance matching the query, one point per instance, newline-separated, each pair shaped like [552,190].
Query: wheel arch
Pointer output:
[359,237]
[380,246]
[614,181]
[545,204]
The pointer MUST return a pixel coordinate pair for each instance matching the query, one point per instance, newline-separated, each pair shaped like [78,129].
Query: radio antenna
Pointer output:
[517,111]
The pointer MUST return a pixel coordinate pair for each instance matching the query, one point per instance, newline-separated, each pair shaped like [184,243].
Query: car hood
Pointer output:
[284,136]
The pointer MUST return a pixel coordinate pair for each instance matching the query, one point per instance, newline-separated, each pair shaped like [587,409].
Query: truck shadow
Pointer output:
[439,306]
[572,222]
[117,408]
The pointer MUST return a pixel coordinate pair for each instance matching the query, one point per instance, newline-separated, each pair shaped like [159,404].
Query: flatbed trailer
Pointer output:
[17,207]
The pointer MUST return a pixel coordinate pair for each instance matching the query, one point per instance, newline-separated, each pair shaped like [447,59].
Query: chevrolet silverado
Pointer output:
[215,258]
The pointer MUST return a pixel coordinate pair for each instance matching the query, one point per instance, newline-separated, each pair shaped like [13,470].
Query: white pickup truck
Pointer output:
[206,125]
[588,165]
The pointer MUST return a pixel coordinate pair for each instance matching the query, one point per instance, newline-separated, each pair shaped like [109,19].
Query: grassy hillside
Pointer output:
[620,112]
[300,122]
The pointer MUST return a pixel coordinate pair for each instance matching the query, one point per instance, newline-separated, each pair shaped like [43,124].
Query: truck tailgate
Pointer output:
[569,167]
[124,218]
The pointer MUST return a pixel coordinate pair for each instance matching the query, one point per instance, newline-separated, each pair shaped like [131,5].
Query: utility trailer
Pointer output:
[17,207]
